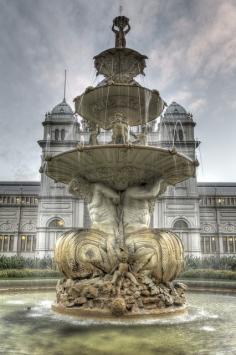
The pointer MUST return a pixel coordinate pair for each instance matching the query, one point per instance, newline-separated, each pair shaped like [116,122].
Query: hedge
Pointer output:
[211,262]
[28,273]
[208,274]
[19,262]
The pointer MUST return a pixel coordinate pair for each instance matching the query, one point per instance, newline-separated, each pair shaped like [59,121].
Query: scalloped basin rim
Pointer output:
[137,103]
[114,50]
[120,166]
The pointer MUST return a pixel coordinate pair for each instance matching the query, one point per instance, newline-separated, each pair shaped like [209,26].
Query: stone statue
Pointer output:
[102,203]
[138,203]
[121,22]
[91,252]
[123,270]
[119,129]
[94,130]
[148,247]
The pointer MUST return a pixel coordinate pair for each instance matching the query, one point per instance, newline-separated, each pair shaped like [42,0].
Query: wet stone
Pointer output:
[69,283]
[90,292]
[145,293]
[81,300]
[118,307]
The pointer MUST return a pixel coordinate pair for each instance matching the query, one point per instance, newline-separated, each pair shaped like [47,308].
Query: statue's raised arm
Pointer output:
[121,22]
[128,29]
[113,29]
[149,191]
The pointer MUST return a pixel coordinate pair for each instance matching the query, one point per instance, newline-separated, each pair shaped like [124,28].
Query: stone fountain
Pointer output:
[120,266]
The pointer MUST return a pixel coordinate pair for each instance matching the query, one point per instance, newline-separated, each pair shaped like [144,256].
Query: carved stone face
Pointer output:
[80,187]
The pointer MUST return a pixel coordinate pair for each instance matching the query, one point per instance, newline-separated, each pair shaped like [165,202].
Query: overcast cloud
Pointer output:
[191,45]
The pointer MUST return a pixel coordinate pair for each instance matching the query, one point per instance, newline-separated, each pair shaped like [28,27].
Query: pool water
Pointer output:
[29,326]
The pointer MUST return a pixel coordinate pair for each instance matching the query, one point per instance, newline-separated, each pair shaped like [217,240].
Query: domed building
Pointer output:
[34,214]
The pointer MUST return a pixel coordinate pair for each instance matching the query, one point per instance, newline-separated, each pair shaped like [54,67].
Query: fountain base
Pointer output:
[102,298]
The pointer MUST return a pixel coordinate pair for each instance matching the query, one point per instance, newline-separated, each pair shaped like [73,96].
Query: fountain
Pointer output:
[119,267]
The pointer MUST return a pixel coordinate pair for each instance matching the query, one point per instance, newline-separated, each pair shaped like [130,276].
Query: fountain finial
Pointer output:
[121,22]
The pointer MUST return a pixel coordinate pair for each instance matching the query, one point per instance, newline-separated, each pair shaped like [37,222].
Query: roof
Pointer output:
[61,112]
[217,188]
[176,112]
[20,187]
[62,109]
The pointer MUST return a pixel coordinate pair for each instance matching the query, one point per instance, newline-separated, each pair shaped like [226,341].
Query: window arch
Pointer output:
[180,224]
[56,134]
[56,223]
[63,133]
[181,135]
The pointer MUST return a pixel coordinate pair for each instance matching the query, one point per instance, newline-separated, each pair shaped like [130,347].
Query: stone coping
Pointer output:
[9,285]
[98,314]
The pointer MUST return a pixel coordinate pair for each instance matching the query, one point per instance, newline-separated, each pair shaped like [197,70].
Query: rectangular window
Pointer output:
[214,245]
[209,244]
[34,243]
[11,243]
[225,245]
[22,242]
[29,243]
[202,245]
[5,243]
[1,242]
[231,245]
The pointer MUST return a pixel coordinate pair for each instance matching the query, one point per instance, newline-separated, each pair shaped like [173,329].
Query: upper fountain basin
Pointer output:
[138,105]
[120,166]
[120,65]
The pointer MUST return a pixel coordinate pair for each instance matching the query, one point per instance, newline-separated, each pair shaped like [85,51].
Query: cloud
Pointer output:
[191,47]
[197,105]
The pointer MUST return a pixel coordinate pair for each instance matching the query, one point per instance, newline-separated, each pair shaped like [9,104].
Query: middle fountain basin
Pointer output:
[99,105]
[120,166]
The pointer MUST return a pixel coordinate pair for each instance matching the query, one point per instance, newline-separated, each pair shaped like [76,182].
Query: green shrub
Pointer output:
[28,273]
[19,262]
[211,262]
[209,274]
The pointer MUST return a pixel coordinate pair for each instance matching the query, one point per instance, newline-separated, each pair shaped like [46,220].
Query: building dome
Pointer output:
[175,112]
[62,109]
[60,113]
[175,108]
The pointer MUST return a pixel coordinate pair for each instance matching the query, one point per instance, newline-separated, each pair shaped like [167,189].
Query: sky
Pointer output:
[191,46]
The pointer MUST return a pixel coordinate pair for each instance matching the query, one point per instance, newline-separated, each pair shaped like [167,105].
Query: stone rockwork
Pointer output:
[104,296]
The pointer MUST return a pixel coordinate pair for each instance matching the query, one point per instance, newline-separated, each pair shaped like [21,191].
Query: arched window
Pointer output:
[181,135]
[56,223]
[56,134]
[180,224]
[63,133]
[175,135]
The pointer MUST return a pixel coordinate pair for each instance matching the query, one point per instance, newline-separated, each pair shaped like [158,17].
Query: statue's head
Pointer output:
[119,117]
[121,22]
[123,255]
[80,187]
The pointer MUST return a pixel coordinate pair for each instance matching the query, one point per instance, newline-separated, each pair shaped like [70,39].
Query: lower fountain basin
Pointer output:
[120,166]
[28,325]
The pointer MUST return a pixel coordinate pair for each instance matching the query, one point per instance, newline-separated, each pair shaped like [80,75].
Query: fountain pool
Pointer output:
[29,326]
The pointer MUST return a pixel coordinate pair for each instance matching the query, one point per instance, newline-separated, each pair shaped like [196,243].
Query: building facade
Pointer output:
[34,214]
